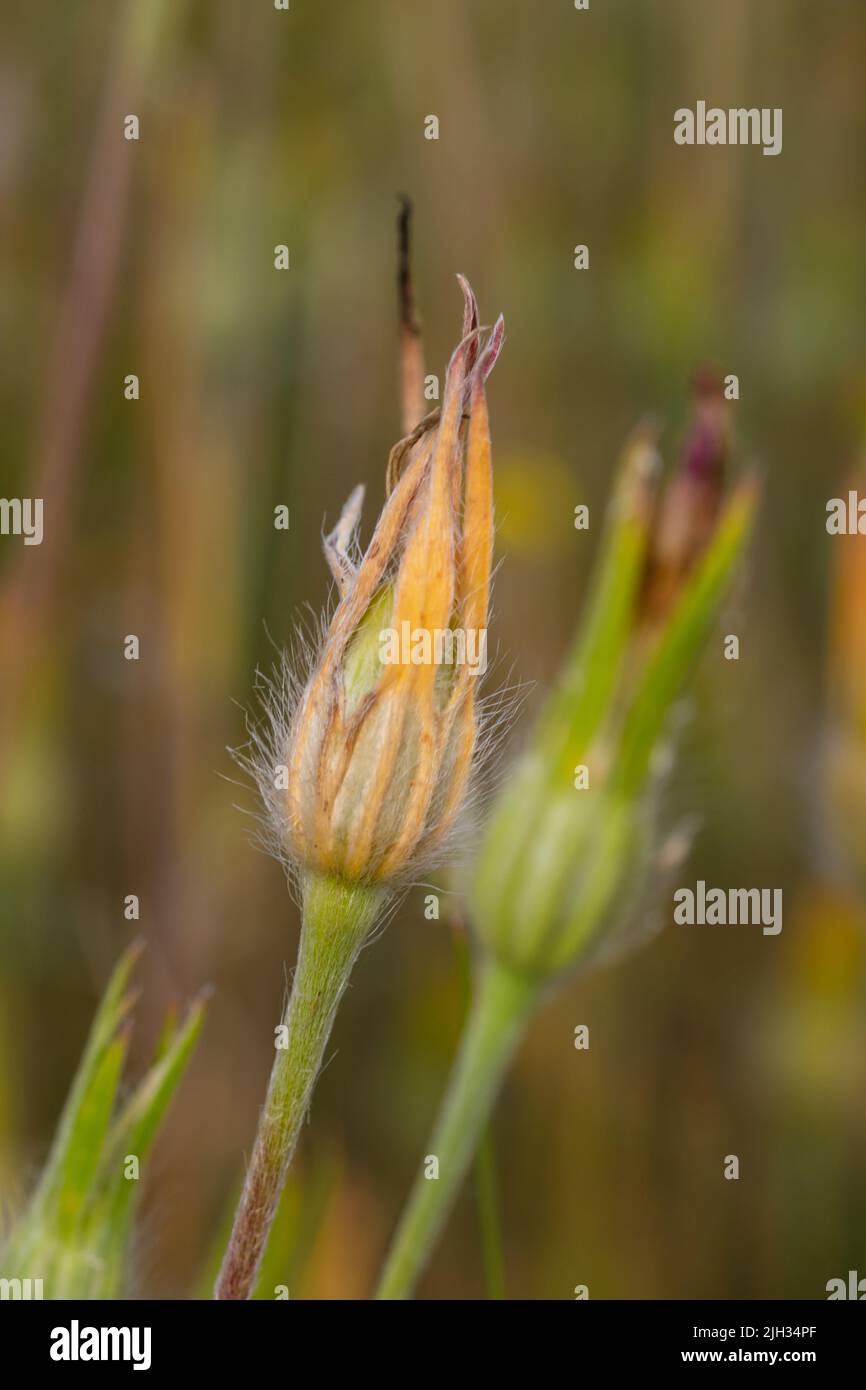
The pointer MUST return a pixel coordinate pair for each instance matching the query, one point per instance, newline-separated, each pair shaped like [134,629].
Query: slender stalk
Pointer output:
[337,919]
[502,1006]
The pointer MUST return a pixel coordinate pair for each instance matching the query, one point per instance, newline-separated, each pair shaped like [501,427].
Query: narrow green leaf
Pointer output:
[112,1011]
[681,641]
[133,1133]
[583,695]
[135,1128]
[81,1158]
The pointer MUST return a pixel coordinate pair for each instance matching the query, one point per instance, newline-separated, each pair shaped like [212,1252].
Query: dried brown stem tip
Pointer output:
[411,344]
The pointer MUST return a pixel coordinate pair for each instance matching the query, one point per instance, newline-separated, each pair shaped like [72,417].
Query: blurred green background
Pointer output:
[260,388]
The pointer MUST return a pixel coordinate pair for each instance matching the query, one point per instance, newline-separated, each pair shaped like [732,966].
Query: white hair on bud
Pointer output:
[269,728]
[269,724]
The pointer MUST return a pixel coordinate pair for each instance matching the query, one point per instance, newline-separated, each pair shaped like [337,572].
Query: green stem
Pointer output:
[502,1005]
[337,920]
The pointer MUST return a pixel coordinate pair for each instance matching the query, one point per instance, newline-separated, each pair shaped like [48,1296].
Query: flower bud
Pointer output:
[557,866]
[381,750]
[573,833]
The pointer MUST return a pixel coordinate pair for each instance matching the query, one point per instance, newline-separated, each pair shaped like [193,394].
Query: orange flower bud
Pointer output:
[380,751]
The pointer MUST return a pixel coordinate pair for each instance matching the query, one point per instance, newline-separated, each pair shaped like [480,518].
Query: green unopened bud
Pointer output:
[557,865]
[574,833]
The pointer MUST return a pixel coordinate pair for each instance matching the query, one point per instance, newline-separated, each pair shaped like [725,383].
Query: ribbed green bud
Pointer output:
[556,867]
[573,833]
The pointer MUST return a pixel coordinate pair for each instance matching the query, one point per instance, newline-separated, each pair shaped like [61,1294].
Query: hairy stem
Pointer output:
[502,1006]
[337,919]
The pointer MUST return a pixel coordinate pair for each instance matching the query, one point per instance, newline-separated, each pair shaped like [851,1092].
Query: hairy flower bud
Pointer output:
[380,751]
